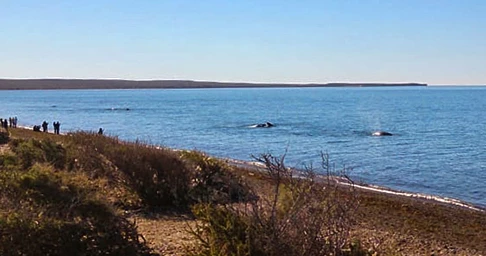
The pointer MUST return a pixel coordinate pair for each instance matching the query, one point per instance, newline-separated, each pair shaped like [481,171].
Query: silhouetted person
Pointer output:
[100,131]
[44,126]
[56,127]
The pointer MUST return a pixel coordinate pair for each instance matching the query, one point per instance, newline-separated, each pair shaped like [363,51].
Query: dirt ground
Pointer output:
[167,234]
[3,148]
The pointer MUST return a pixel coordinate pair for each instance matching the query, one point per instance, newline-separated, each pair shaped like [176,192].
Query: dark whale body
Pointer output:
[381,133]
[118,109]
[264,125]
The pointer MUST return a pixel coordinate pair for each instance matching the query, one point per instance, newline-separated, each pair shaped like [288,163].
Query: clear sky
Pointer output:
[431,41]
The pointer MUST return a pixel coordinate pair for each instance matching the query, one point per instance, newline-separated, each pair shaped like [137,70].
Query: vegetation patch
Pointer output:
[4,136]
[61,195]
[81,194]
[53,213]
[300,216]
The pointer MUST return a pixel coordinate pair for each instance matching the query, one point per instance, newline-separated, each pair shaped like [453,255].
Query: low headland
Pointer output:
[56,84]
[90,194]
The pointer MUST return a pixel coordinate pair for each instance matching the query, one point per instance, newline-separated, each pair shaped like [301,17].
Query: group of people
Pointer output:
[57,127]
[10,122]
[45,127]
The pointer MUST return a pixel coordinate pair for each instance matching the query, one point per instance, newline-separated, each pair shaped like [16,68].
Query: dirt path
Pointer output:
[167,235]
[3,148]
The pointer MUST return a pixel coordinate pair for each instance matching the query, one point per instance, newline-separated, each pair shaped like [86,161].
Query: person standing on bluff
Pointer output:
[4,123]
[56,127]
[44,126]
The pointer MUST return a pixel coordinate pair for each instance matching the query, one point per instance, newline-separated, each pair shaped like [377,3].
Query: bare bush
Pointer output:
[304,214]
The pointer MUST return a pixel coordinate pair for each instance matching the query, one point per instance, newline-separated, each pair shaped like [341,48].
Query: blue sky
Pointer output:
[431,41]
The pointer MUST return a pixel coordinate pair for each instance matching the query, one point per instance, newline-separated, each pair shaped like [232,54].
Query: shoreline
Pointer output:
[377,189]
[250,165]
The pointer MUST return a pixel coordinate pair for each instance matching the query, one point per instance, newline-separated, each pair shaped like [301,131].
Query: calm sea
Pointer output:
[438,146]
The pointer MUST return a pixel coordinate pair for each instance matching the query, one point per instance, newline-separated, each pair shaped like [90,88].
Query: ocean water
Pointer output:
[438,146]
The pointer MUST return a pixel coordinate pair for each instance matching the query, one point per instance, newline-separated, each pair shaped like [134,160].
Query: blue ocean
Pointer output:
[438,144]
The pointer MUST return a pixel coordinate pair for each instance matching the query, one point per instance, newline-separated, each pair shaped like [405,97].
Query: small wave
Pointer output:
[118,109]
[338,141]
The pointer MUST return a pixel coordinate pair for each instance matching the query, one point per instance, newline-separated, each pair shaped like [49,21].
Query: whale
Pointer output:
[263,125]
[118,109]
[381,133]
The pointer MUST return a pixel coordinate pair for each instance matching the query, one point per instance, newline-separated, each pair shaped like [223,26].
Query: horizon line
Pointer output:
[210,81]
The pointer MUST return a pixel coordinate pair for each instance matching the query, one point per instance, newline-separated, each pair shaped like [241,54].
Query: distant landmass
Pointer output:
[56,84]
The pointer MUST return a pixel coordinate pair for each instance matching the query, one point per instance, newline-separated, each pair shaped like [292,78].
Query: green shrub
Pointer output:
[54,153]
[44,212]
[158,176]
[161,177]
[136,174]
[86,159]
[32,151]
[28,152]
[8,160]
[222,231]
[212,180]
[47,236]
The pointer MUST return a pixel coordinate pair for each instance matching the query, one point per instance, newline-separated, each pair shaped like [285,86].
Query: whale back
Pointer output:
[381,133]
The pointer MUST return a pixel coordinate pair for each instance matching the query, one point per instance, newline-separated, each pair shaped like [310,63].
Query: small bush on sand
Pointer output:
[303,215]
[44,151]
[159,176]
[212,180]
[88,152]
[8,160]
[28,152]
